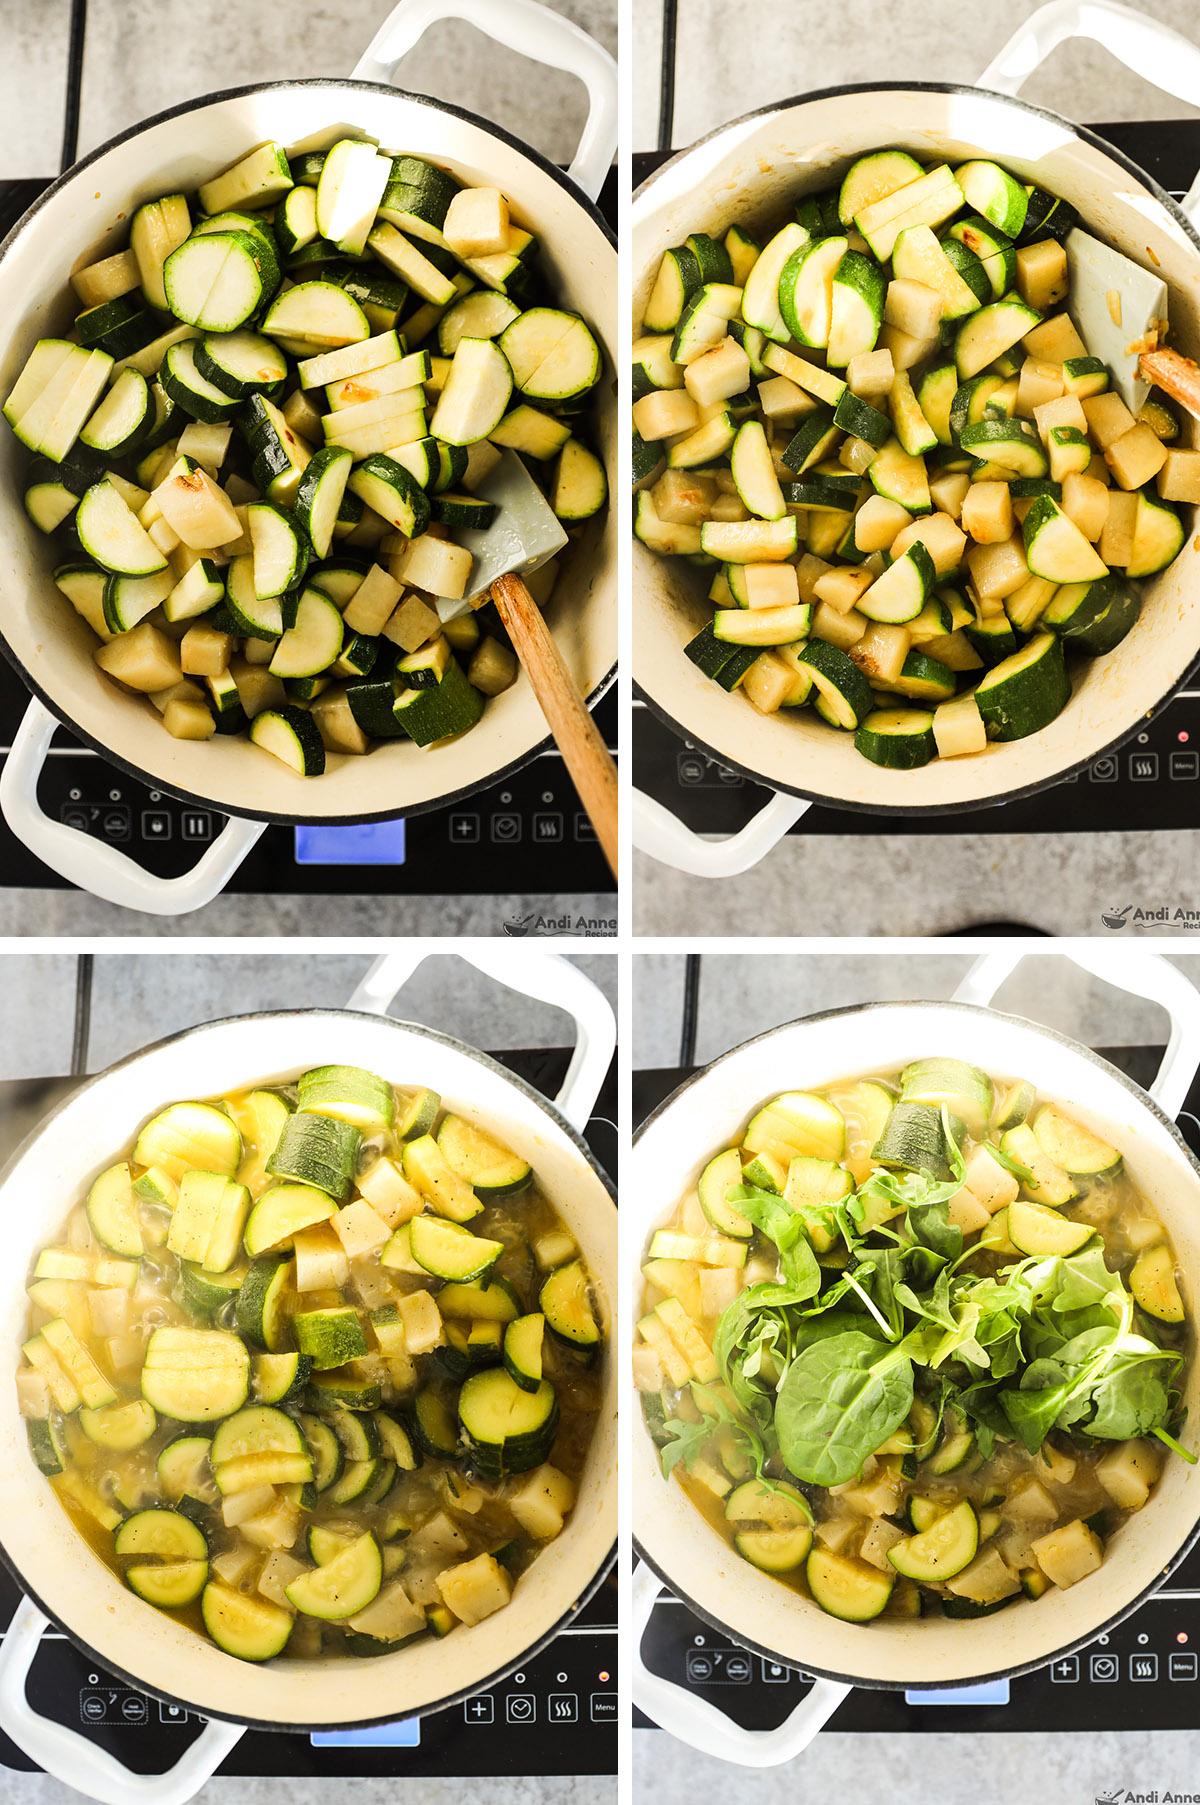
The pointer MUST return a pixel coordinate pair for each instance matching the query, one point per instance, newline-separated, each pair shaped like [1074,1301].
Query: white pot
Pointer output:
[84,215]
[709,1111]
[51,1560]
[755,169]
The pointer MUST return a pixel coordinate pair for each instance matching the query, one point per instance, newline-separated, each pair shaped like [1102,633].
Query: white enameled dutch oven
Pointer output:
[64,1580]
[682,1552]
[753,170]
[85,214]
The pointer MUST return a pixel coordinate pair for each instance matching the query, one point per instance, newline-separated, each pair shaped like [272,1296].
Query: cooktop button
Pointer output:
[604,1707]
[520,1708]
[480,1710]
[775,1673]
[1143,1667]
[1143,767]
[1183,1667]
[1065,1672]
[1184,766]
[1105,1670]
[564,1707]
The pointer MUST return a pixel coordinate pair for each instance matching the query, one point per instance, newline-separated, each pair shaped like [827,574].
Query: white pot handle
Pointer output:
[1142,974]
[1145,45]
[702,1726]
[75,1761]
[548,978]
[663,835]
[532,30]
[92,864]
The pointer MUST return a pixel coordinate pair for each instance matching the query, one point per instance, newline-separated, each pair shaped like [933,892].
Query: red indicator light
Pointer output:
[1182,1636]
[604,1676]
[1183,736]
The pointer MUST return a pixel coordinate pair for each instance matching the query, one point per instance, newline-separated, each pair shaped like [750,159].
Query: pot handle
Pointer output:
[1146,46]
[75,1761]
[532,30]
[1137,971]
[702,1726]
[548,978]
[663,835]
[92,864]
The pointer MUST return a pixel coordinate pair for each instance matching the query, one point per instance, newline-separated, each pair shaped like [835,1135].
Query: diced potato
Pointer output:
[719,374]
[881,652]
[143,659]
[542,1501]
[768,683]
[948,491]
[373,602]
[358,1228]
[1038,385]
[389,1193]
[913,307]
[881,1536]
[841,587]
[835,1533]
[987,515]
[1136,457]
[249,1503]
[857,455]
[412,624]
[986,1580]
[204,651]
[719,1285]
[188,721]
[477,223]
[1107,417]
[942,537]
[334,720]
[1055,340]
[105,281]
[663,413]
[993,1184]
[235,1564]
[648,1374]
[278,1572]
[321,1261]
[1116,540]
[877,523]
[434,564]
[871,372]
[1128,1473]
[476,1588]
[683,497]
[836,628]
[1051,1463]
[1069,1554]
[958,728]
[196,508]
[109,1311]
[906,349]
[258,688]
[33,1392]
[274,1528]
[779,397]
[771,585]
[999,569]
[1061,410]
[966,1211]
[1179,478]
[1042,279]
[879,1496]
[551,1249]
[1085,501]
[1030,1503]
[422,1322]
[729,507]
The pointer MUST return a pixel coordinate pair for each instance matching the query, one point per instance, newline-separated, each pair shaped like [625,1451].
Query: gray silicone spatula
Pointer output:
[524,534]
[1120,310]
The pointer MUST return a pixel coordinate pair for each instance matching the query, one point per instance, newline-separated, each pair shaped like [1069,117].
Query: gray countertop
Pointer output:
[879,885]
[198,48]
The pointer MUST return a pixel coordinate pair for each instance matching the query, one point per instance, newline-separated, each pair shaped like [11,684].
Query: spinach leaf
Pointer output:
[780,1223]
[842,1397]
[929,1226]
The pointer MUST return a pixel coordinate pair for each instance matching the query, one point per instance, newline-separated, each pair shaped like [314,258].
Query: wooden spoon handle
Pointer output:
[579,740]
[1177,375]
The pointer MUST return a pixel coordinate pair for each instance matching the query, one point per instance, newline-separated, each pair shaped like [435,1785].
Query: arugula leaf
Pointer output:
[687,1444]
[842,1397]
[1169,1441]
[1008,1162]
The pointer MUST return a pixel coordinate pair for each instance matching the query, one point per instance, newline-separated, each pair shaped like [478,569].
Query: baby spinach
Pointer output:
[841,1399]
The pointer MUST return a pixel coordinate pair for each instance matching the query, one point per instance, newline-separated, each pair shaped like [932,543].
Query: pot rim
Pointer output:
[1022,791]
[534,1096]
[1190,1539]
[8,244]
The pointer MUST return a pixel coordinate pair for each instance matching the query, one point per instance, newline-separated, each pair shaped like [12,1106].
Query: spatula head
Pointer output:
[524,534]
[1104,282]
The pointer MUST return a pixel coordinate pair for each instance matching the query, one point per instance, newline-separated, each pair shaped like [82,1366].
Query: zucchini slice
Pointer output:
[481,1161]
[291,736]
[186,1135]
[939,1552]
[523,1350]
[567,1307]
[846,1588]
[450,1252]
[1072,1146]
[245,1625]
[508,1429]
[195,1375]
[113,1213]
[716,1181]
[1154,1285]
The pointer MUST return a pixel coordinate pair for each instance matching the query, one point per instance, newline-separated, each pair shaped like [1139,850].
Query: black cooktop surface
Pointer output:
[1145,1675]
[1152,781]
